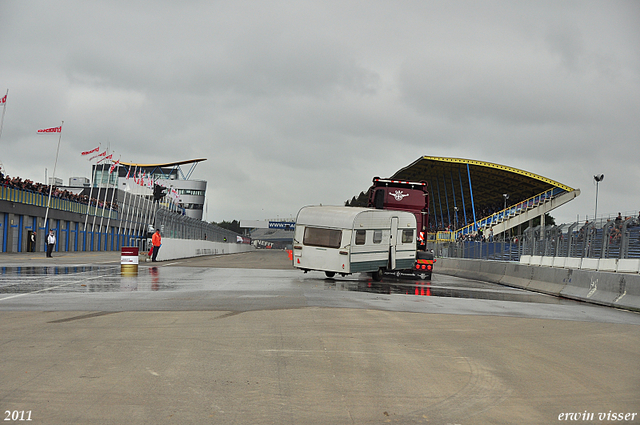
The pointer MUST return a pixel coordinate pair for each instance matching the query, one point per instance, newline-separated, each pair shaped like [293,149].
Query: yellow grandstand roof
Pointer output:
[489,181]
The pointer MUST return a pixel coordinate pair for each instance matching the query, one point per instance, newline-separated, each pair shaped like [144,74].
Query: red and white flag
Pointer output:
[90,152]
[106,157]
[51,130]
[113,166]
[3,100]
[95,156]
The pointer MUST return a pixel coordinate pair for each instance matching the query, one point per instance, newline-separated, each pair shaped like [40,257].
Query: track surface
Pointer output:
[246,339]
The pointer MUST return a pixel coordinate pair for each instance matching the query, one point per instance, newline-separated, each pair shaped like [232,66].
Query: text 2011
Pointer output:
[17,415]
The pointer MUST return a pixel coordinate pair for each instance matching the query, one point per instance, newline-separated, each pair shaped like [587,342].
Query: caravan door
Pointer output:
[393,241]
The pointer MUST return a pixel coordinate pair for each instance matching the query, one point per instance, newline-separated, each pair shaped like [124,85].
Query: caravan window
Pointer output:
[377,236]
[361,237]
[407,236]
[328,238]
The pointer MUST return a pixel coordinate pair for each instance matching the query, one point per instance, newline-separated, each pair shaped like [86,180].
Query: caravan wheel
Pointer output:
[330,274]
[377,276]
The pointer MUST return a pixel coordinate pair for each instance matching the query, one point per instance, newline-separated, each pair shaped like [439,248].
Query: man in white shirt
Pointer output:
[51,242]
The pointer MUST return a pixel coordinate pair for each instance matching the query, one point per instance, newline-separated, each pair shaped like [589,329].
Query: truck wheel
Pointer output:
[329,274]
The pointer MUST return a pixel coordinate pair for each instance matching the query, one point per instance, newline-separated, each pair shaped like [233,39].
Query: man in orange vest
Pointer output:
[156,241]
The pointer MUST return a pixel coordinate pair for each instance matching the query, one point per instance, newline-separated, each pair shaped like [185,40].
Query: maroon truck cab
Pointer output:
[403,196]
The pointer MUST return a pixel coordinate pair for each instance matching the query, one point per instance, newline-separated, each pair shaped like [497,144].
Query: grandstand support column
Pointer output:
[473,207]
[435,214]
[542,225]
[455,205]
[440,201]
[446,198]
[464,207]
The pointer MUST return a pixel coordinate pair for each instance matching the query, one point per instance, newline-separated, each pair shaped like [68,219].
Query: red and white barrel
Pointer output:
[129,261]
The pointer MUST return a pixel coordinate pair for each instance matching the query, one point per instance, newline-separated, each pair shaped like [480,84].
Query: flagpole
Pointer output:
[134,217]
[144,219]
[95,209]
[130,206]
[122,216]
[129,219]
[4,108]
[121,209]
[86,218]
[104,202]
[46,214]
[113,192]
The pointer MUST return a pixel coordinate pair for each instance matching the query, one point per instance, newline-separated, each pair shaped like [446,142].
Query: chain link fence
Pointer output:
[619,238]
[178,226]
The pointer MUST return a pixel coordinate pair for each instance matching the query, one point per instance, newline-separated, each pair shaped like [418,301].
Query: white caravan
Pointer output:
[348,240]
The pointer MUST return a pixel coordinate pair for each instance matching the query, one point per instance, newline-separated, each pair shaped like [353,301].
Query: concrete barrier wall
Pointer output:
[612,289]
[627,265]
[172,249]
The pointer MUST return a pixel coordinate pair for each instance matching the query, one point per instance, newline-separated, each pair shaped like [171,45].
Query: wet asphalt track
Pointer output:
[247,339]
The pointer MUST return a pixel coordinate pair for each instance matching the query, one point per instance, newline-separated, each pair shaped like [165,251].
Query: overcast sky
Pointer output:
[303,102]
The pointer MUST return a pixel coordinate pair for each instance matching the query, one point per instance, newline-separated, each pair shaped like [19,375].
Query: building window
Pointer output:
[191,192]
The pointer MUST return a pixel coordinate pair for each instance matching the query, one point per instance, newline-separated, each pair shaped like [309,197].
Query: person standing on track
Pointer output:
[156,241]
[51,242]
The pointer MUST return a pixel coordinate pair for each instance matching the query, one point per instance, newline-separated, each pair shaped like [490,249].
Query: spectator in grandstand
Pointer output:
[583,230]
[618,220]
[29,185]
[616,235]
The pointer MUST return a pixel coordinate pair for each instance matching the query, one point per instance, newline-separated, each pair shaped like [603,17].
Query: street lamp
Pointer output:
[456,218]
[598,178]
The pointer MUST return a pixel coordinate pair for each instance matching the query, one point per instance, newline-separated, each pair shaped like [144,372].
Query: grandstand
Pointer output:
[468,195]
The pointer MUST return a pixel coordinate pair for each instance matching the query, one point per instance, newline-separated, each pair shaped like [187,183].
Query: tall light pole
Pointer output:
[456,219]
[598,178]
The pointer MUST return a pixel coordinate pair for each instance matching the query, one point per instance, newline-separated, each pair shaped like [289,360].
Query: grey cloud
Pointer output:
[296,103]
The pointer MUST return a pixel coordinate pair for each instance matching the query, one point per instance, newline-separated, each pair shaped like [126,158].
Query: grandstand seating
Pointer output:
[512,211]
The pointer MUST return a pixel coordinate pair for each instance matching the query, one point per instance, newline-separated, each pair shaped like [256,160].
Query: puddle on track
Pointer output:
[27,279]
[475,290]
